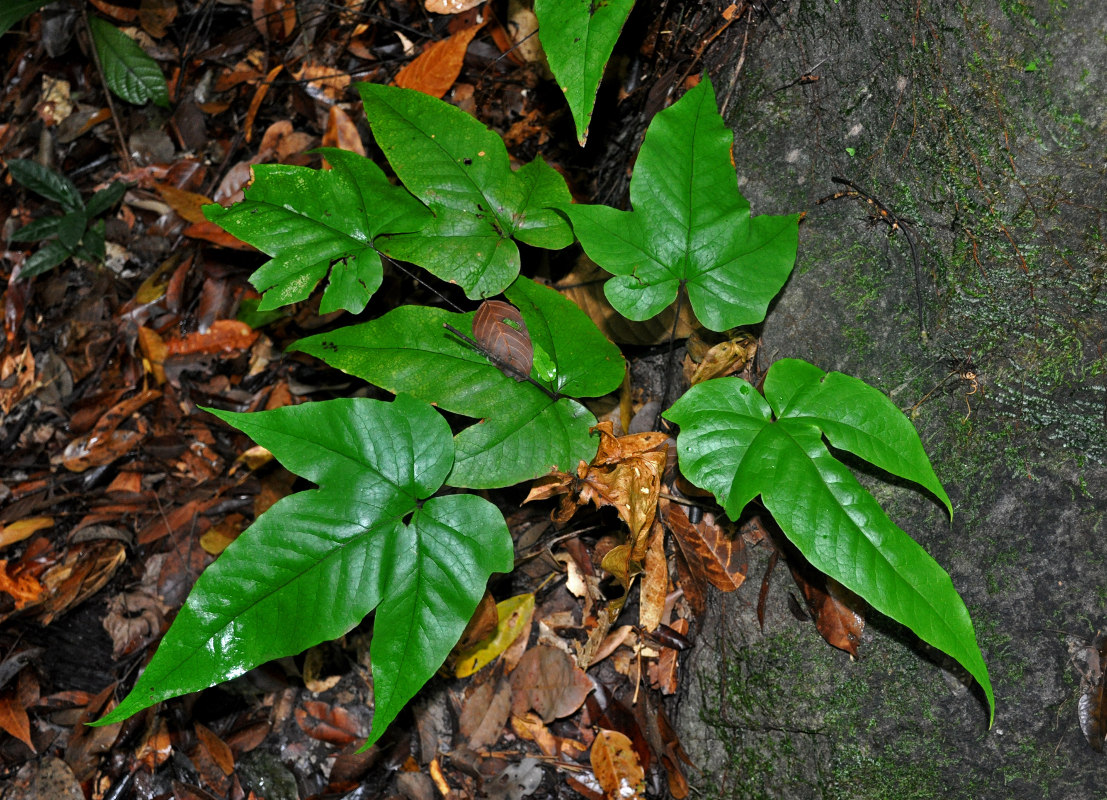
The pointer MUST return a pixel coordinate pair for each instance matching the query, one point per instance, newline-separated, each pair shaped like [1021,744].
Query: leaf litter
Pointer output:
[115,493]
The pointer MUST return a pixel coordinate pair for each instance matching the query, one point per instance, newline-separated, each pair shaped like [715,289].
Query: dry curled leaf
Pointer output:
[550,683]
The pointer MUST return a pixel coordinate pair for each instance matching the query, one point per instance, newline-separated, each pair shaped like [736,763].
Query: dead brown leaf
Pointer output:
[549,682]
[833,610]
[434,70]
[327,723]
[451,6]
[498,327]
[707,549]
[274,19]
[341,132]
[616,766]
[655,581]
[155,16]
[484,714]
[14,719]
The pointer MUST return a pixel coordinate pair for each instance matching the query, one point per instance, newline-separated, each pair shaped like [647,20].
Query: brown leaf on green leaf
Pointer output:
[498,327]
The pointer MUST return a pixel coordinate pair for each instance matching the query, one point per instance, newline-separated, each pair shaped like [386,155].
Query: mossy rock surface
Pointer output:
[985,124]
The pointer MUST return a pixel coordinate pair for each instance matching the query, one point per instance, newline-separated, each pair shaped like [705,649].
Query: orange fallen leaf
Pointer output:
[255,103]
[187,204]
[341,132]
[18,531]
[274,19]
[332,724]
[14,719]
[833,610]
[224,336]
[655,580]
[434,70]
[616,766]
[23,588]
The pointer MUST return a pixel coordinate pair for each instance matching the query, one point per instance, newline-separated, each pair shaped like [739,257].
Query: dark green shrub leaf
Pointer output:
[45,258]
[107,197]
[731,445]
[317,562]
[314,222]
[71,229]
[460,169]
[38,230]
[526,430]
[690,226]
[15,10]
[578,38]
[47,183]
[128,70]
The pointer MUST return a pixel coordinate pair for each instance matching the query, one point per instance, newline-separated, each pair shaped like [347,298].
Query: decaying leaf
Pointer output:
[484,714]
[498,327]
[625,473]
[725,358]
[707,549]
[833,611]
[550,683]
[451,6]
[616,766]
[655,580]
[512,617]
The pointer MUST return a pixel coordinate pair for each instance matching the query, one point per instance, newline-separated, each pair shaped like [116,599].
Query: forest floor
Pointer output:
[116,490]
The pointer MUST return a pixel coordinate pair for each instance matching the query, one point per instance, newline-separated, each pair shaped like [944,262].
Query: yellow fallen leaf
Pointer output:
[514,614]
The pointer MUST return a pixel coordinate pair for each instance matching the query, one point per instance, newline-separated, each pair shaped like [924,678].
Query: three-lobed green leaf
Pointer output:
[730,444]
[578,37]
[461,170]
[128,71]
[525,431]
[318,224]
[312,566]
[690,226]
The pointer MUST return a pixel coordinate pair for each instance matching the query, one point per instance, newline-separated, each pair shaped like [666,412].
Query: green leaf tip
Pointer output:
[578,39]
[689,228]
[738,445]
[312,566]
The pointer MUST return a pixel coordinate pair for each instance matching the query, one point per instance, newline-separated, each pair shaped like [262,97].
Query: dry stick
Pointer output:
[499,363]
[127,162]
[894,223]
[419,280]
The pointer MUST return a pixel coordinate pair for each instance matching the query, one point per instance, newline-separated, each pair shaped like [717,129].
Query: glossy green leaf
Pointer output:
[317,562]
[47,183]
[15,10]
[45,258]
[525,431]
[106,198]
[38,230]
[318,222]
[731,445]
[461,170]
[578,37]
[690,226]
[128,70]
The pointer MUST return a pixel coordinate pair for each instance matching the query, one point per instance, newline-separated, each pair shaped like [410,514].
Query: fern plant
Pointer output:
[374,535]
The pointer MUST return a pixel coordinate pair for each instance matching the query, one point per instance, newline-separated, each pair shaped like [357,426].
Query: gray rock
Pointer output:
[984,123]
